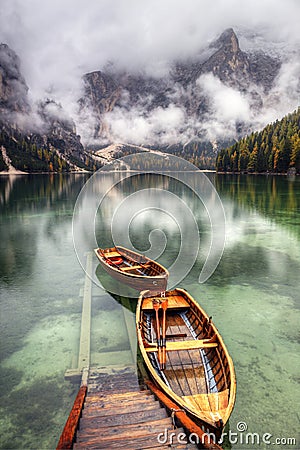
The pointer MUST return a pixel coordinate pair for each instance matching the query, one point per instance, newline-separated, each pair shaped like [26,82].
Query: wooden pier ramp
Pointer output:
[113,408]
[119,413]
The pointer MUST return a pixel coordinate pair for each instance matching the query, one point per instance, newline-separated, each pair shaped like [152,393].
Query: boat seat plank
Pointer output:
[222,398]
[198,401]
[213,402]
[174,301]
[184,345]
[127,269]
[112,254]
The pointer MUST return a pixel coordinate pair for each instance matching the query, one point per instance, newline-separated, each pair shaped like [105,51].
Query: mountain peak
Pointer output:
[228,40]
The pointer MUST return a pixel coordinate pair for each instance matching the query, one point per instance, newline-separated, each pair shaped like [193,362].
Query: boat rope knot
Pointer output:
[173,412]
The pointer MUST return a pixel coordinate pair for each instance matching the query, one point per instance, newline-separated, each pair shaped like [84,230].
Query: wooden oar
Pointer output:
[164,305]
[156,306]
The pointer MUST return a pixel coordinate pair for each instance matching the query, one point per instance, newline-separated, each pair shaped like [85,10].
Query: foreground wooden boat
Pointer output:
[186,357]
[133,269]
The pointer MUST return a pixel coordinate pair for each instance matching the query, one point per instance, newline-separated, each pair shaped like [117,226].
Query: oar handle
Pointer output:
[156,306]
[164,306]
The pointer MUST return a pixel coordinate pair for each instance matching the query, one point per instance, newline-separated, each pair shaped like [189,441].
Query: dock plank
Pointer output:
[143,442]
[115,418]
[123,419]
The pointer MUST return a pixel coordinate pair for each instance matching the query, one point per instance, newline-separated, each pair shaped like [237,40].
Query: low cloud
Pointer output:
[60,40]
[228,108]
[139,127]
[228,104]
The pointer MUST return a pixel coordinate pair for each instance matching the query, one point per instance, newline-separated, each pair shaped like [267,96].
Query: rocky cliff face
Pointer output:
[224,59]
[59,130]
[170,112]
[13,88]
[55,131]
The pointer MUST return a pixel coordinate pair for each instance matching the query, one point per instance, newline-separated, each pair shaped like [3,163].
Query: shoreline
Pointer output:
[8,173]
[81,172]
[260,173]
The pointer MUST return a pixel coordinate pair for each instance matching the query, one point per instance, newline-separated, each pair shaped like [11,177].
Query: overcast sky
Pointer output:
[60,40]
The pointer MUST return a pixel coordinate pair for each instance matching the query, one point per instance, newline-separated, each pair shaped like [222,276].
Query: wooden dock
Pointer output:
[113,408]
[119,413]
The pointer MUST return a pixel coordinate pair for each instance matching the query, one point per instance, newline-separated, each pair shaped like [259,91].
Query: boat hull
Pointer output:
[135,278]
[199,374]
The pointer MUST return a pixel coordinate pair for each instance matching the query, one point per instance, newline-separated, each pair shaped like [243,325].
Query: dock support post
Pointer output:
[85,333]
[131,331]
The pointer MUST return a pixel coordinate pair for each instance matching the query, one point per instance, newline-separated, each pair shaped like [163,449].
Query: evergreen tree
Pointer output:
[274,149]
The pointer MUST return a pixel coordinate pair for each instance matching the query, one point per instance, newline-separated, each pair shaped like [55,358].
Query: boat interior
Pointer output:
[195,361]
[130,263]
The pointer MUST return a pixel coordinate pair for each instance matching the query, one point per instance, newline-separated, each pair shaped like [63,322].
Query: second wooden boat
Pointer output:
[186,357]
[133,269]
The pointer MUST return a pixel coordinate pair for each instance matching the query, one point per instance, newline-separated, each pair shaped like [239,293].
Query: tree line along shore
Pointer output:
[275,149]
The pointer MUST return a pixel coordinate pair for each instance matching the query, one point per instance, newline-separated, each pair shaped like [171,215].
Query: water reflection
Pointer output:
[31,205]
[275,197]
[253,295]
[134,211]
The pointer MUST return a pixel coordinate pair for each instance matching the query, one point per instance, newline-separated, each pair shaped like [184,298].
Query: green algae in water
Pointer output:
[253,298]
[33,424]
[260,332]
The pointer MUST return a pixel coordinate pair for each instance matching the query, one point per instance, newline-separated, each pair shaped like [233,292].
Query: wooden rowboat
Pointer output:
[133,269]
[186,357]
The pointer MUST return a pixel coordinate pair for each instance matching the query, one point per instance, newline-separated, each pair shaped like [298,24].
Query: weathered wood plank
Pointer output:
[174,301]
[126,431]
[148,442]
[184,345]
[95,388]
[112,382]
[126,385]
[118,396]
[122,419]
[183,419]
[128,268]
[184,359]
[123,409]
[107,403]
[112,254]
[129,430]
[67,437]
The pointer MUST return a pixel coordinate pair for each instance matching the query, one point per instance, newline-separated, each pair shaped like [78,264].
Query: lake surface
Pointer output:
[253,295]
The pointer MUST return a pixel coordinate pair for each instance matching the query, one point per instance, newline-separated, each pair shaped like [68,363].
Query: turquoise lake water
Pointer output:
[253,295]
